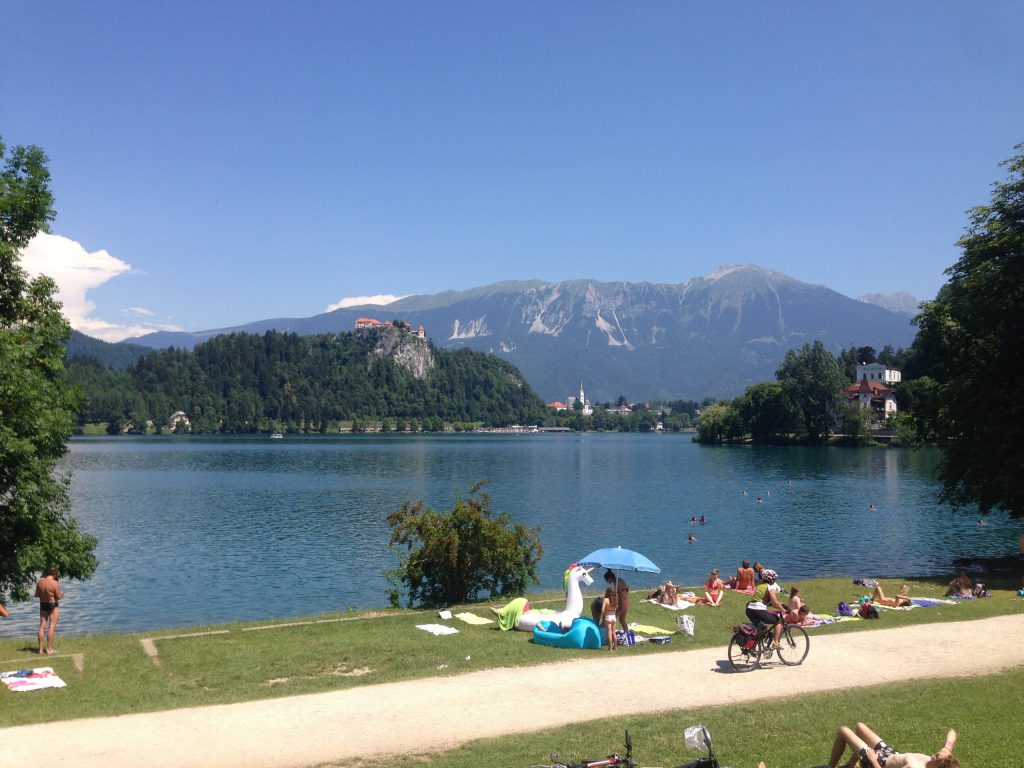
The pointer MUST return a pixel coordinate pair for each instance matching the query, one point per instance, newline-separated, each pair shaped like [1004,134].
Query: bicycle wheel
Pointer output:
[793,645]
[744,659]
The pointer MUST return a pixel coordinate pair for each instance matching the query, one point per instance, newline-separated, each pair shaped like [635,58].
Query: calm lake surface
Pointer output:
[201,530]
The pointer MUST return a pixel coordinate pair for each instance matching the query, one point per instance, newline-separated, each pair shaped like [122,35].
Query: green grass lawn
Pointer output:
[785,733]
[346,650]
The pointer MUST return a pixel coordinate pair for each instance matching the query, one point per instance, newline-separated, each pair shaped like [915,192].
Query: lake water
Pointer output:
[202,530]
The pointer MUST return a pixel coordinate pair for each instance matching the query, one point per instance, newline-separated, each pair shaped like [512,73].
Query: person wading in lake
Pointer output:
[49,593]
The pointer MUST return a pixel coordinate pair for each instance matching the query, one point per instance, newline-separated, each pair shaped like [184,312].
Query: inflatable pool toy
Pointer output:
[517,614]
[583,633]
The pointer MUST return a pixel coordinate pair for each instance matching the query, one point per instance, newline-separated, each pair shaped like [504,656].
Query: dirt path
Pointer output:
[440,713]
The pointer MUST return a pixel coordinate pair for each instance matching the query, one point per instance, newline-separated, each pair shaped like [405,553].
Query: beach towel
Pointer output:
[931,602]
[647,629]
[881,607]
[31,679]
[747,591]
[824,619]
[438,629]
[508,616]
[472,618]
[679,606]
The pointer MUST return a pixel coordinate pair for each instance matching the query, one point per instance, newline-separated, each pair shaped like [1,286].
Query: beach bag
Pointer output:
[745,635]
[868,611]
[686,624]
[843,609]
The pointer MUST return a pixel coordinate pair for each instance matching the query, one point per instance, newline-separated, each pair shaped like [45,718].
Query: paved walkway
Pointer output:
[441,713]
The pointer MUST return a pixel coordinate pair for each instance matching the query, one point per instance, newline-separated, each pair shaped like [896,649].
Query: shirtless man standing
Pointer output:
[49,594]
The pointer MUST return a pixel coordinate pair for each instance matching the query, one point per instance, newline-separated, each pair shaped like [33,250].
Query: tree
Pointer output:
[811,380]
[969,342]
[467,554]
[866,355]
[767,412]
[717,423]
[37,406]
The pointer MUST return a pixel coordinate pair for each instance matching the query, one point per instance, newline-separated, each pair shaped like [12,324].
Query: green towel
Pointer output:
[647,629]
[508,616]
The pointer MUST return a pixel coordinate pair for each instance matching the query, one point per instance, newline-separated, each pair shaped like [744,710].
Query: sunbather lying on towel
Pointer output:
[881,755]
[901,599]
[665,593]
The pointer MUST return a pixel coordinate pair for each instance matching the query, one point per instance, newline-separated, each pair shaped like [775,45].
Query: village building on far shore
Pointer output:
[871,390]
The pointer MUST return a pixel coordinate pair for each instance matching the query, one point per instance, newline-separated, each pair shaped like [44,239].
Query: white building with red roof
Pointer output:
[871,390]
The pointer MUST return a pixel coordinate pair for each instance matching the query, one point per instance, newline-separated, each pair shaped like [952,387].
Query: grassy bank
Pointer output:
[788,732]
[240,662]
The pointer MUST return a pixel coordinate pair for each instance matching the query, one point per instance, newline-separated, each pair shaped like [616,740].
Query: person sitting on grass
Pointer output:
[901,599]
[881,755]
[795,601]
[608,609]
[960,586]
[713,589]
[743,581]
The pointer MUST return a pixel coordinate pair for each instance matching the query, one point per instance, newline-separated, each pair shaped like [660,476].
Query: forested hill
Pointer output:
[241,383]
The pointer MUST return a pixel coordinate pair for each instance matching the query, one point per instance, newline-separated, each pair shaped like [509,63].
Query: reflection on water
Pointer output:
[202,530]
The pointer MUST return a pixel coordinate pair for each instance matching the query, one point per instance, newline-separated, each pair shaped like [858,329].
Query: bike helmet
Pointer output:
[768,573]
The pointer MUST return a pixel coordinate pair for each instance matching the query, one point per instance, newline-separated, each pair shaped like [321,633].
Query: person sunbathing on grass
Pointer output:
[960,586]
[802,616]
[881,755]
[713,589]
[901,600]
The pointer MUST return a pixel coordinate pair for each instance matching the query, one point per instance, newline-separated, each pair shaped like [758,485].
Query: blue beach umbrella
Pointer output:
[619,559]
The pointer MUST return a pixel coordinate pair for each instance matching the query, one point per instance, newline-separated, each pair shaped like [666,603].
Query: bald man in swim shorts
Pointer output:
[49,593]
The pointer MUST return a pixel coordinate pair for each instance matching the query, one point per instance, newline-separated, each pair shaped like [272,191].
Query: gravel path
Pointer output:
[440,713]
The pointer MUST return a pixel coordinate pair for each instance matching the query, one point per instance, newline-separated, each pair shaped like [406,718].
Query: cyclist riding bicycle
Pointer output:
[762,609]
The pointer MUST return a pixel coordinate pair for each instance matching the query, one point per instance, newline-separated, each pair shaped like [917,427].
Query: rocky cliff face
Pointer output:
[409,352]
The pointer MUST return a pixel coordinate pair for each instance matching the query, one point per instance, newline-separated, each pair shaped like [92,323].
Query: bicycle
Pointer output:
[696,737]
[751,644]
[614,759]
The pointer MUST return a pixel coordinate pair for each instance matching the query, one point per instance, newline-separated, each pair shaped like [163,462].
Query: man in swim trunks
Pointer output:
[49,594]
[881,755]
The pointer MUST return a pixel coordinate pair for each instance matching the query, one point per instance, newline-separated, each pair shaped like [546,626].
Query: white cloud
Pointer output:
[77,271]
[358,301]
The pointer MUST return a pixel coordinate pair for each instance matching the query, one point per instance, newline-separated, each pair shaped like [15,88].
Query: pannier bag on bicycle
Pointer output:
[745,635]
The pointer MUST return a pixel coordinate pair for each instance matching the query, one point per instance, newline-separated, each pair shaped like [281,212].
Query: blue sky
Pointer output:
[218,163]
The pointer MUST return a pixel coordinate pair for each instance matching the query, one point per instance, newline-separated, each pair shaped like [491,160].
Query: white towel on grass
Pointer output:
[438,629]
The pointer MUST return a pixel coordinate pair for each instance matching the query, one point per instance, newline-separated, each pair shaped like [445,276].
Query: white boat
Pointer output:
[277,436]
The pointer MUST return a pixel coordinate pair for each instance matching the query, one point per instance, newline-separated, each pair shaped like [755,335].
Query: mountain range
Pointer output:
[711,336]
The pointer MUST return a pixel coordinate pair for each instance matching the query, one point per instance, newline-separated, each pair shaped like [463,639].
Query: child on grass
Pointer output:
[608,608]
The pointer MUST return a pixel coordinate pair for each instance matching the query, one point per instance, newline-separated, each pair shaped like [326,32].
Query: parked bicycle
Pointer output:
[696,737]
[612,760]
[750,645]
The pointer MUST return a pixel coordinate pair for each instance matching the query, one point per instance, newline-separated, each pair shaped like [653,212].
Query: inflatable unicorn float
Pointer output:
[519,615]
